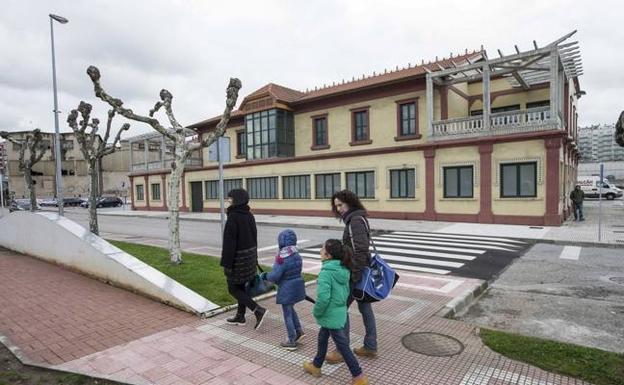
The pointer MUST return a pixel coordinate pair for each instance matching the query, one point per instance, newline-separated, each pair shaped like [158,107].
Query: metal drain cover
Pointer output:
[619,280]
[432,344]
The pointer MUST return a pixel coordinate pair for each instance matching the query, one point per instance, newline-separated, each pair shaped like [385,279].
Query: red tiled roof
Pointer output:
[278,92]
[289,95]
[388,76]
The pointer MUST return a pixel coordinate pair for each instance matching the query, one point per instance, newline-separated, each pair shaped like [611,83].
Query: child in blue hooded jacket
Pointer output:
[286,274]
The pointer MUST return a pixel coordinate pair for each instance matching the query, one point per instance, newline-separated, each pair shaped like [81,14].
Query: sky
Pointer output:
[192,48]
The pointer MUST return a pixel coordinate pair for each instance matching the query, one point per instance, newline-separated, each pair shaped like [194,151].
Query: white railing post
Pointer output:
[486,96]
[429,97]
[554,84]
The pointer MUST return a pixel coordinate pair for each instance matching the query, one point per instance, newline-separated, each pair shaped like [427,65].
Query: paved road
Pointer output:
[199,237]
[567,293]
[447,254]
[466,256]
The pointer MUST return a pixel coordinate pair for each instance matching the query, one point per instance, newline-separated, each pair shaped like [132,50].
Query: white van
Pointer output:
[591,187]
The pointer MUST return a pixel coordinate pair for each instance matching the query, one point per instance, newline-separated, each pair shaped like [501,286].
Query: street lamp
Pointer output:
[57,136]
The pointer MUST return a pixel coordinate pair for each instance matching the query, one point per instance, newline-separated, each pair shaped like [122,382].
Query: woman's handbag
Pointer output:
[378,278]
[258,286]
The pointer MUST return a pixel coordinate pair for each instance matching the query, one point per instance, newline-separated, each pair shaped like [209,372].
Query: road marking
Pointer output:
[419,245]
[571,252]
[274,247]
[437,241]
[398,258]
[419,253]
[458,236]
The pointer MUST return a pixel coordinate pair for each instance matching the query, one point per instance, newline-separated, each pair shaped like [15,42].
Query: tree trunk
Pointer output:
[93,192]
[30,189]
[175,253]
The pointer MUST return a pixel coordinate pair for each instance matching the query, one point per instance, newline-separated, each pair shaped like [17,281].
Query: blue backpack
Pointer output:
[378,278]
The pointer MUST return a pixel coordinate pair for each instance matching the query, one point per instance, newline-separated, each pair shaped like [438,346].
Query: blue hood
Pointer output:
[286,238]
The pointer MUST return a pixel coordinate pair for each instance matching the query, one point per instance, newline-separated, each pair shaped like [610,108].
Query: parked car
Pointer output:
[21,205]
[48,203]
[72,202]
[105,202]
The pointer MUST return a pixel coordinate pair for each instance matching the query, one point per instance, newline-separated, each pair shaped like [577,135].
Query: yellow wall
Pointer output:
[514,152]
[457,105]
[458,156]
[380,164]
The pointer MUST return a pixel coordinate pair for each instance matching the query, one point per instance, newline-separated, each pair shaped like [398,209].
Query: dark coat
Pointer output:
[360,242]
[577,196]
[239,255]
[286,272]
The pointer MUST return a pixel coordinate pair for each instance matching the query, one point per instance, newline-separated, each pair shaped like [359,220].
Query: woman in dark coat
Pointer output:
[347,206]
[239,255]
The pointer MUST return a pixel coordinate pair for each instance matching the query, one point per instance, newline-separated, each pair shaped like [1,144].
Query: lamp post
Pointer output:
[57,136]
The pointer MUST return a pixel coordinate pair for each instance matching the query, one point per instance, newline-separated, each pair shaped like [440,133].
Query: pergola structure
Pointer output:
[152,151]
[553,64]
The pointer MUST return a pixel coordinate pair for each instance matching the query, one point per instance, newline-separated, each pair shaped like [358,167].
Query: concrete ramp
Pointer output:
[62,241]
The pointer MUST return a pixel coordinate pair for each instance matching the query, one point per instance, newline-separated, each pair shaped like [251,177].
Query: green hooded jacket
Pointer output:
[332,293]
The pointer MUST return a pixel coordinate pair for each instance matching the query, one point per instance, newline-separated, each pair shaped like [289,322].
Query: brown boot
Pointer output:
[360,380]
[309,368]
[333,358]
[365,352]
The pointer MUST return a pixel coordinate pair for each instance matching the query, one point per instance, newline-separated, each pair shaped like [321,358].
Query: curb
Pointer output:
[462,302]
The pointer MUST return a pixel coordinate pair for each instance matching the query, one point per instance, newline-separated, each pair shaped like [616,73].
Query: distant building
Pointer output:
[469,138]
[3,158]
[113,178]
[597,144]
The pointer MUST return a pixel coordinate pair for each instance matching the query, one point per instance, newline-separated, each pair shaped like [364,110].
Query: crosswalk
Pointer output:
[440,253]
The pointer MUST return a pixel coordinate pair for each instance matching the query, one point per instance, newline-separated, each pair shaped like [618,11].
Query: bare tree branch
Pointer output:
[232,95]
[117,104]
[109,150]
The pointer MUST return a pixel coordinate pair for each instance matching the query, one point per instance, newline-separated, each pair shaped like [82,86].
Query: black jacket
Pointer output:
[360,243]
[239,255]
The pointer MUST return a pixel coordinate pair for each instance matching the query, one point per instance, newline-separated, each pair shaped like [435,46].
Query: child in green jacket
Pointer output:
[330,309]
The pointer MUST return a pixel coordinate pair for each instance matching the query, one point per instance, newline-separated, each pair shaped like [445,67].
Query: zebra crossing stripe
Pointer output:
[419,253]
[399,258]
[459,236]
[432,241]
[398,266]
[418,245]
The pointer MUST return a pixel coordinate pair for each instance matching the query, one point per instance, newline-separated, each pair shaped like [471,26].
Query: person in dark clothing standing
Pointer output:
[577,196]
[239,255]
[347,206]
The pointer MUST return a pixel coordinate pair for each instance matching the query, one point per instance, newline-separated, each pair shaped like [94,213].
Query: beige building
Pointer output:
[113,178]
[465,138]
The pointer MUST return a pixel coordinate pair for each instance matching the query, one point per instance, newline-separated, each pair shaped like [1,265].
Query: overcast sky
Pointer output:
[193,47]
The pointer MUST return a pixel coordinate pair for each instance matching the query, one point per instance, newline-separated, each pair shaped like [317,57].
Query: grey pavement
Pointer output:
[549,293]
[585,233]
[199,237]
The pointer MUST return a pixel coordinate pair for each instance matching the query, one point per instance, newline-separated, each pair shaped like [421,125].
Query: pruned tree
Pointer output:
[93,150]
[33,143]
[619,130]
[182,148]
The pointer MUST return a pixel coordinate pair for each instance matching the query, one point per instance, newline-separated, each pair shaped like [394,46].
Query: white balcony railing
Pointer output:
[509,122]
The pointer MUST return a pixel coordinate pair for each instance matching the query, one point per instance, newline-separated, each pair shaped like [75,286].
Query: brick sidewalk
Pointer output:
[139,341]
[54,315]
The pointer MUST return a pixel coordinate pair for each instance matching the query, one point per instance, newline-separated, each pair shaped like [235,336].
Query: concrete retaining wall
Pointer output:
[62,241]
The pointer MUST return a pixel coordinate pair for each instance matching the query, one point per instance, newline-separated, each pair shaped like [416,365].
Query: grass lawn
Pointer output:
[593,365]
[199,273]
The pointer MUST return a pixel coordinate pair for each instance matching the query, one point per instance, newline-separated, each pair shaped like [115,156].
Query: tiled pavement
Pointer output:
[54,315]
[165,346]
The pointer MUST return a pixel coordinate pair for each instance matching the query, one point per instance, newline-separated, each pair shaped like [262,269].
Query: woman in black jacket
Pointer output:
[347,206]
[239,255]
